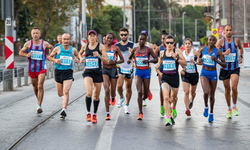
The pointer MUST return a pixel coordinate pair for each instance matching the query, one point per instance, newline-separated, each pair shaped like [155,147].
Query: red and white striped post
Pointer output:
[9,52]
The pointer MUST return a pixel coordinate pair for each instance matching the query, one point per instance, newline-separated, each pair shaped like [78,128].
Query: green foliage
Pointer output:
[156,36]
[204,41]
[2,25]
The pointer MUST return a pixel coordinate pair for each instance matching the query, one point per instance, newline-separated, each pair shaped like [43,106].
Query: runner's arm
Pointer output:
[240,50]
[221,56]
[159,63]
[132,54]
[104,56]
[81,52]
[23,51]
[118,51]
[151,52]
[75,53]
[181,60]
[199,62]
[157,51]
[49,46]
[52,55]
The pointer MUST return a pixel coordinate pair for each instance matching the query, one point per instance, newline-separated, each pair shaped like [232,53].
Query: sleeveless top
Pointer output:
[37,61]
[66,57]
[206,57]
[161,49]
[190,67]
[92,63]
[111,54]
[170,65]
[139,57]
[232,58]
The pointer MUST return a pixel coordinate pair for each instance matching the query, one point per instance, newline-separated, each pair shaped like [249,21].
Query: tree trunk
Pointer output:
[46,27]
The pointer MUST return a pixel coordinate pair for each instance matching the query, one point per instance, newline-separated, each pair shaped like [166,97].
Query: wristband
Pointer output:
[218,61]
[100,56]
[148,61]
[241,56]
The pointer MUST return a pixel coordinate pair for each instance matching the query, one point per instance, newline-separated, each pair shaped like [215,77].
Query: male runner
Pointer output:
[125,69]
[232,51]
[63,57]
[34,50]
[59,40]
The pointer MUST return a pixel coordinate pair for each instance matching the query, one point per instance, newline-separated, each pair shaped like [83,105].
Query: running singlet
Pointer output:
[66,57]
[190,67]
[232,58]
[125,67]
[170,66]
[111,54]
[139,57]
[37,61]
[206,57]
[161,49]
[91,62]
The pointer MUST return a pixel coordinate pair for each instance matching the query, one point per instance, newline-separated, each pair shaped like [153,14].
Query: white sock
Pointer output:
[88,112]
[206,107]
[107,112]
[211,113]
[234,105]
[229,108]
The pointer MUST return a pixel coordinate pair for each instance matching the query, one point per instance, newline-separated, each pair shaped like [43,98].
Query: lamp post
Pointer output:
[183,36]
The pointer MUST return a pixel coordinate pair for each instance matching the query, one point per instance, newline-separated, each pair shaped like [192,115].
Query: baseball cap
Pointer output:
[145,32]
[92,31]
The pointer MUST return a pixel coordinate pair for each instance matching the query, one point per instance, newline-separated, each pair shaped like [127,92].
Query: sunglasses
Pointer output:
[123,34]
[169,43]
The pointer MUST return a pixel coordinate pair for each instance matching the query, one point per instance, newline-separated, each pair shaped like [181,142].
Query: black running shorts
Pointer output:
[191,78]
[97,77]
[61,75]
[226,74]
[112,73]
[172,80]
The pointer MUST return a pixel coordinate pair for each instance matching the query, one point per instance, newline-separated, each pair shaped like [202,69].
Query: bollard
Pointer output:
[47,74]
[19,80]
[11,79]
[26,75]
[5,85]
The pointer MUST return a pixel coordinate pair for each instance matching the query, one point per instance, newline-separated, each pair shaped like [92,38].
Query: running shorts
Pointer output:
[210,75]
[226,74]
[61,75]
[144,74]
[191,78]
[112,73]
[36,74]
[172,80]
[97,77]
[128,76]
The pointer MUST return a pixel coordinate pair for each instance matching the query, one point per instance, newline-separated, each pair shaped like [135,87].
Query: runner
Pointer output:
[232,51]
[162,47]
[170,60]
[208,58]
[59,40]
[125,70]
[63,56]
[142,73]
[34,50]
[189,74]
[95,53]
[110,72]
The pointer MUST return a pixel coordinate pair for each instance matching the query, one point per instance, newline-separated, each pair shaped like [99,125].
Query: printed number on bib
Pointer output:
[207,60]
[230,57]
[190,68]
[169,65]
[92,63]
[125,71]
[37,55]
[110,55]
[139,62]
[66,60]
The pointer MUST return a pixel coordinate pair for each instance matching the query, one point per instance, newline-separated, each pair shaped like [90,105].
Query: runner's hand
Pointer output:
[76,60]
[174,55]
[112,62]
[227,52]
[145,61]
[192,61]
[130,50]
[128,61]
[53,63]
[240,60]
[82,60]
[199,60]
[29,54]
[96,54]
[58,61]
[213,58]
[182,72]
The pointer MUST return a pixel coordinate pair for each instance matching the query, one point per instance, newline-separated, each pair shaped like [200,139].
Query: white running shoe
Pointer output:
[127,110]
[39,110]
[119,104]
[144,103]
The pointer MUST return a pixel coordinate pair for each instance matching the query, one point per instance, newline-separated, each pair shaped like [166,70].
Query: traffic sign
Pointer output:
[220,30]
[223,22]
[215,33]
[8,21]
[246,56]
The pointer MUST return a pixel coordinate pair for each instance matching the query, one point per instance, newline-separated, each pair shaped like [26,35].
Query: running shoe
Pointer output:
[113,101]
[150,96]
[173,122]
[63,114]
[205,113]
[127,110]
[174,113]
[162,111]
[88,118]
[229,114]
[140,116]
[211,118]
[107,117]
[39,110]
[94,118]
[188,113]
[119,104]
[191,104]
[235,110]
[144,103]
[168,122]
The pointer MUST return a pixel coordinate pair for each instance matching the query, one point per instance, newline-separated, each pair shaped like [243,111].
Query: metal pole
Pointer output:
[214,13]
[223,9]
[84,24]
[134,24]
[195,29]
[245,22]
[183,36]
[169,18]
[149,35]
[124,17]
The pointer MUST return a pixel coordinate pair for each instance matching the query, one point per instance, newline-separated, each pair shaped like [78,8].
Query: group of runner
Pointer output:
[114,64]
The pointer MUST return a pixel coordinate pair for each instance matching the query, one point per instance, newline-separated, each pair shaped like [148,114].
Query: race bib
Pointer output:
[139,62]
[110,55]
[190,68]
[66,60]
[207,60]
[92,63]
[37,55]
[125,71]
[169,65]
[230,57]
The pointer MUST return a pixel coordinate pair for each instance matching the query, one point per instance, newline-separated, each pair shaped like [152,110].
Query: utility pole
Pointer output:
[84,24]
[195,29]
[134,24]
[183,36]
[223,9]
[245,23]
[169,16]
[214,13]
[149,35]
[124,18]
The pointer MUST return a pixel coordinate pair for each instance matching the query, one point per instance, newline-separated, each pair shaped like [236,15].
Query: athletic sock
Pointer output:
[229,108]
[234,105]
[96,104]
[126,104]
[88,103]
[173,107]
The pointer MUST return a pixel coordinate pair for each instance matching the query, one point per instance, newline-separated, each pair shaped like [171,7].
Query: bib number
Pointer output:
[169,65]
[37,55]
[125,71]
[207,60]
[230,57]
[92,63]
[190,68]
[66,60]
[110,55]
[139,62]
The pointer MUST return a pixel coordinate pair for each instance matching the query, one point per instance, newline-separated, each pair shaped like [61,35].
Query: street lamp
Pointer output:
[183,36]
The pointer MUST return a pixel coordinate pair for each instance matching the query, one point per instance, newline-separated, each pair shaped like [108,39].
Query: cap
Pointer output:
[92,31]
[145,32]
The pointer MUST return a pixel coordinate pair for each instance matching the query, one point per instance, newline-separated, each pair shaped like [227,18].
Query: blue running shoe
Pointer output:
[211,118]
[205,112]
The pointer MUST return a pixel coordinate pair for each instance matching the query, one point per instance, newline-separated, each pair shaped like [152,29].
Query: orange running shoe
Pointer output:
[113,101]
[94,118]
[150,96]
[140,116]
[107,117]
[88,117]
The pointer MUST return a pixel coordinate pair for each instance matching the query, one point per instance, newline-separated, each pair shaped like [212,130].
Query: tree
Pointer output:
[156,36]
